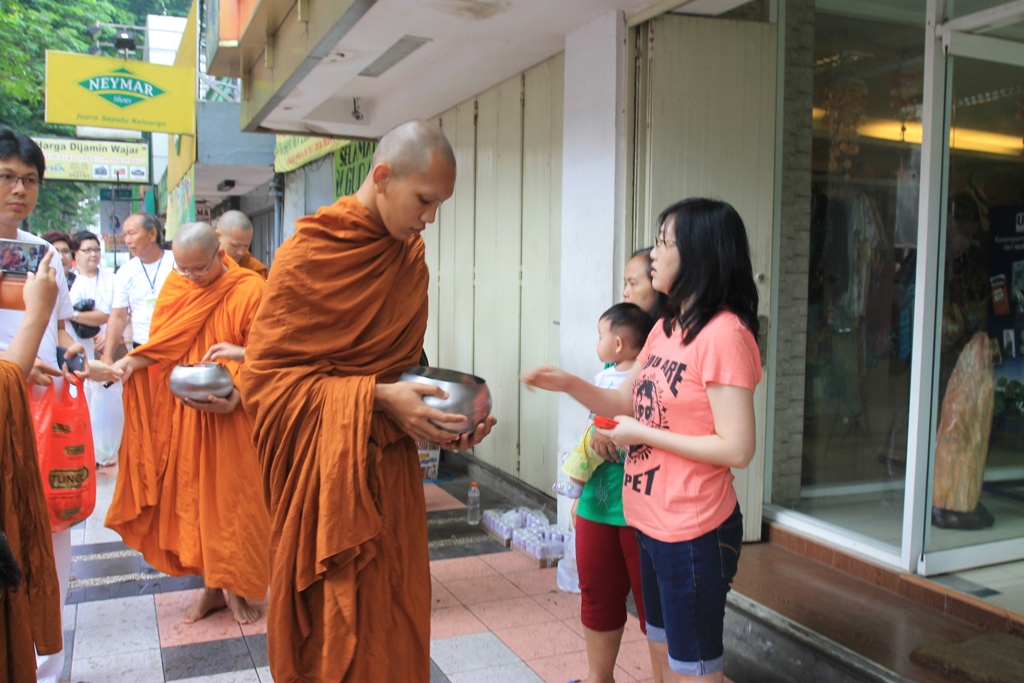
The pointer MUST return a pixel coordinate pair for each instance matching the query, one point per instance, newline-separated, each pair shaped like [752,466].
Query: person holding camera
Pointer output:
[91,295]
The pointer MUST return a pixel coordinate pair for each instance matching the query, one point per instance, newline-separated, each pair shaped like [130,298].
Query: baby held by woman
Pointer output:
[622,331]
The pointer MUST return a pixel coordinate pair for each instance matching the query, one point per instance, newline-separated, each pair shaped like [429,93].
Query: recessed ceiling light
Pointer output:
[393,55]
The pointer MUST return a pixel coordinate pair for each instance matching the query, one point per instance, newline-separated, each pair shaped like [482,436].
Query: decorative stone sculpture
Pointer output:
[962,444]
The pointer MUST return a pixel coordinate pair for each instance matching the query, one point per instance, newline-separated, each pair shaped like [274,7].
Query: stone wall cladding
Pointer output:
[794,262]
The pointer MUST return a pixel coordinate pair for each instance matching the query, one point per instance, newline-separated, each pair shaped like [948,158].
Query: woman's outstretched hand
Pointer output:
[547,377]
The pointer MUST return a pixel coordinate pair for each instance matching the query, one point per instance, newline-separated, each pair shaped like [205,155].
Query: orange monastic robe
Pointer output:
[187,493]
[31,615]
[252,263]
[350,573]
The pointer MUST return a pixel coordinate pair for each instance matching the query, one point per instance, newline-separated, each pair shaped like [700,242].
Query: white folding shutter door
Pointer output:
[711,133]
[542,209]
[499,204]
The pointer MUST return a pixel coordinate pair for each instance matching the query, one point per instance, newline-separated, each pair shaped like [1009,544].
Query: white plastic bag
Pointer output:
[567,577]
[107,413]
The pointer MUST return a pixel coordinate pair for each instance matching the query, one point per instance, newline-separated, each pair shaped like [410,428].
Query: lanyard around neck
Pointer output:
[152,281]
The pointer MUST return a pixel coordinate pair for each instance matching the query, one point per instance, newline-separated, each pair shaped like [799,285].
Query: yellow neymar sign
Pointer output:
[82,90]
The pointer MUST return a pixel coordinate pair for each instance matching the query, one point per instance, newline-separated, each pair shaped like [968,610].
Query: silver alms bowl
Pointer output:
[467,395]
[200,381]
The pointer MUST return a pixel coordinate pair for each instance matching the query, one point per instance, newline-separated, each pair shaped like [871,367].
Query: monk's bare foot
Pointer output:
[244,612]
[211,599]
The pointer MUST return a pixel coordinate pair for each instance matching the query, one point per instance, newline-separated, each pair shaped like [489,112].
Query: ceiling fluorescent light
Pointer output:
[393,55]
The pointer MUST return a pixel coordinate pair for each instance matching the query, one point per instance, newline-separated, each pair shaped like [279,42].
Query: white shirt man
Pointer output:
[138,283]
[137,286]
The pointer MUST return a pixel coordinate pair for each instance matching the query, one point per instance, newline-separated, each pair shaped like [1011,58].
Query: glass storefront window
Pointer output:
[861,288]
[977,464]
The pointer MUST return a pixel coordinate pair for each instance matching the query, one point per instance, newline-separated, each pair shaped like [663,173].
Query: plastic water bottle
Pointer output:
[473,505]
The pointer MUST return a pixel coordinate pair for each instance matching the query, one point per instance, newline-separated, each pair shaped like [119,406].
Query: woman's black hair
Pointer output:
[715,273]
[23,148]
[83,236]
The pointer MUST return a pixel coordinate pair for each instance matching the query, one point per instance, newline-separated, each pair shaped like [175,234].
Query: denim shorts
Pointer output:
[684,586]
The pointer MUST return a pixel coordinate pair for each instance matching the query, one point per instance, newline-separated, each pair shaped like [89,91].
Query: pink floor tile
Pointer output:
[219,625]
[622,677]
[483,589]
[562,605]
[438,499]
[460,568]
[632,632]
[535,582]
[508,562]
[635,659]
[541,640]
[503,614]
[449,622]
[574,624]
[440,597]
[561,668]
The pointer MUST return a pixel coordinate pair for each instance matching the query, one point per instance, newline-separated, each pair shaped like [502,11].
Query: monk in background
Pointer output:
[344,315]
[30,596]
[188,472]
[235,233]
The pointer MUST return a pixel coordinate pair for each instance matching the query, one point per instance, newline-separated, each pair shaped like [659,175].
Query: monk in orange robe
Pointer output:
[30,605]
[235,233]
[188,470]
[344,315]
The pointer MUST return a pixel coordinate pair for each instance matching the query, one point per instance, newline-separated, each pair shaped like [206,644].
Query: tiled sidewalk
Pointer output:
[495,618]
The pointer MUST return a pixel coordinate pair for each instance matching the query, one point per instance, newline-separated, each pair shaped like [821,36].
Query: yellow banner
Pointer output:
[101,161]
[181,204]
[295,151]
[82,90]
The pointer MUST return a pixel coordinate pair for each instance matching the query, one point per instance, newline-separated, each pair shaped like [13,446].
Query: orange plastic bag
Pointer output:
[66,460]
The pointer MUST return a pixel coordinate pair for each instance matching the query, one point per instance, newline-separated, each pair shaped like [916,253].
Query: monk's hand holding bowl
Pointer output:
[403,403]
[215,404]
[227,351]
[467,441]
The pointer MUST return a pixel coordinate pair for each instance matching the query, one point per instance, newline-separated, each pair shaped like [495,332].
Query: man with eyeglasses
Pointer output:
[138,283]
[22,165]
[201,513]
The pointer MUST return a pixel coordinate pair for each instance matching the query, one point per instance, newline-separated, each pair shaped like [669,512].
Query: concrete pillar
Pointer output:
[593,198]
[294,201]
[791,321]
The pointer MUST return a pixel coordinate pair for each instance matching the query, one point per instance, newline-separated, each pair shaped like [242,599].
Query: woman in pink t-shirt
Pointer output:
[687,413]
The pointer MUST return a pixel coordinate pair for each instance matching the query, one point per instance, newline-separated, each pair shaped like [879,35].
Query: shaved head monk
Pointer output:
[235,233]
[188,469]
[344,315]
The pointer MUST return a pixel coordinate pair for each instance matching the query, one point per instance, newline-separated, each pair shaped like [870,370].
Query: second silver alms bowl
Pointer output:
[201,380]
[467,395]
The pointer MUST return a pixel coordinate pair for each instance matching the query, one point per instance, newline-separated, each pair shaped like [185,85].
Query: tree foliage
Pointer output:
[27,29]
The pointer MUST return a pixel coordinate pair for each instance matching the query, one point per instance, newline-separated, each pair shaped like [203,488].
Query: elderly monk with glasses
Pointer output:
[184,495]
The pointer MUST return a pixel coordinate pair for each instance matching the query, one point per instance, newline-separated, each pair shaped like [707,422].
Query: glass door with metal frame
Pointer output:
[975,504]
